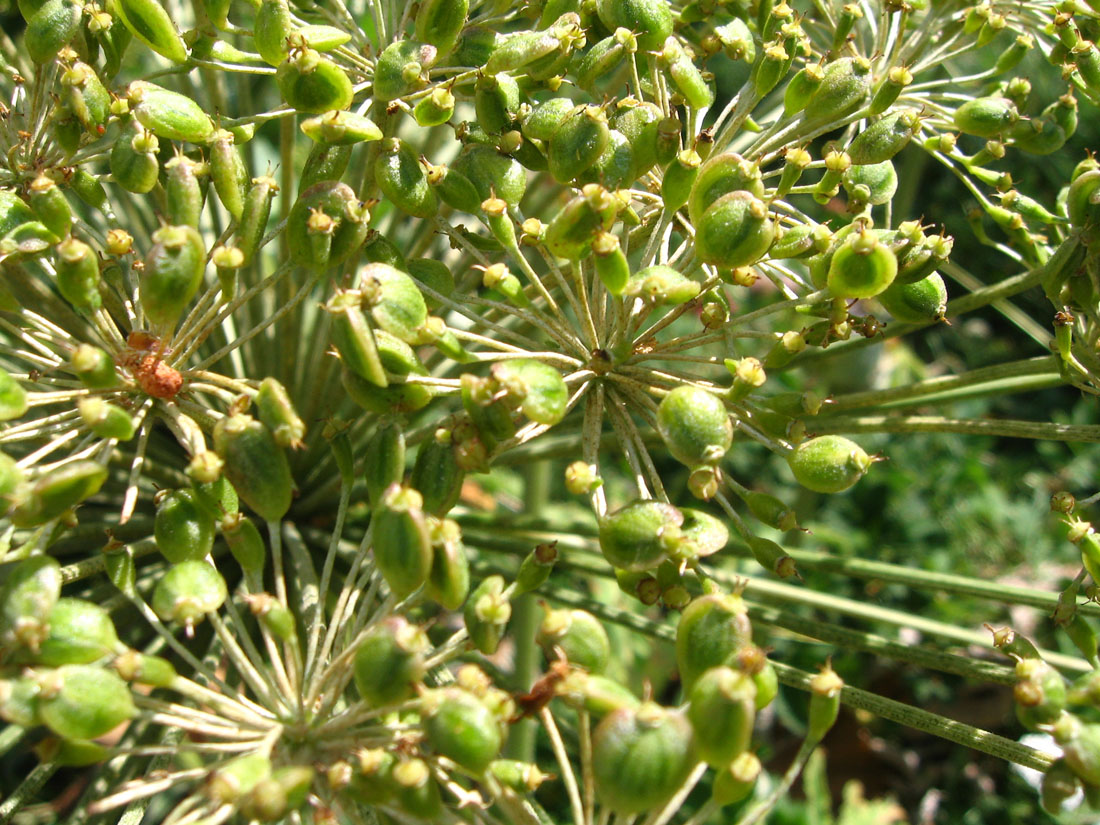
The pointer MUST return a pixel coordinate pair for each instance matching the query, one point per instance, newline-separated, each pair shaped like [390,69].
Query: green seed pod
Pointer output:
[492,174]
[13,398]
[228,173]
[640,535]
[1083,200]
[353,337]
[736,781]
[325,163]
[87,96]
[347,231]
[57,491]
[27,601]
[80,633]
[873,183]
[273,27]
[341,128]
[702,534]
[51,206]
[845,87]
[232,779]
[578,635]
[651,20]
[255,211]
[255,465]
[828,463]
[611,263]
[884,138]
[385,464]
[544,392]
[402,545]
[686,75]
[825,690]
[597,694]
[518,50]
[396,399]
[521,777]
[183,529]
[734,231]
[320,37]
[722,709]
[695,426]
[440,22]
[601,64]
[378,249]
[416,791]
[402,69]
[278,415]
[801,88]
[435,109]
[1080,743]
[1040,693]
[921,302]
[105,419]
[403,180]
[862,267]
[396,304]
[133,161]
[487,613]
[496,101]
[711,632]
[536,567]
[153,26]
[71,753]
[94,367]
[50,28]
[437,476]
[312,83]
[572,230]
[641,757]
[449,579]
[19,700]
[245,543]
[390,661]
[638,123]
[169,114]
[577,143]
[187,591]
[459,726]
[173,274]
[183,193]
[78,275]
[83,702]
[454,189]
[11,480]
[986,117]
[679,177]
[272,798]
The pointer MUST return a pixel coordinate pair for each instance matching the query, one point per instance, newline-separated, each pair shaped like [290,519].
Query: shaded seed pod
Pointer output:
[439,23]
[402,545]
[83,702]
[722,710]
[324,163]
[402,68]
[19,700]
[255,465]
[341,128]
[50,205]
[710,633]
[278,415]
[459,726]
[50,28]
[385,464]
[236,777]
[492,174]
[641,757]
[769,510]
[884,138]
[651,20]
[828,463]
[77,271]
[695,426]
[679,177]
[169,114]
[640,535]
[601,63]
[416,791]
[71,753]
[80,633]
[14,212]
[861,267]
[87,96]
[734,231]
[397,357]
[487,613]
[348,230]
[611,264]
[920,302]
[435,109]
[133,161]
[825,690]
[986,117]
[378,249]
[13,398]
[449,579]
[543,390]
[801,88]
[94,367]
[737,780]
[245,543]
[228,173]
[1059,785]
[152,25]
[572,230]
[496,101]
[403,181]
[597,694]
[183,529]
[521,777]
[57,491]
[436,475]
[1040,693]
[27,600]
[188,591]
[172,275]
[873,183]
[183,193]
[845,87]
[612,168]
[454,189]
[389,662]
[217,497]
[395,302]
[105,419]
[577,143]
[1083,199]
[271,799]
[638,123]
[492,418]
[578,635]
[766,681]
[396,399]
[702,534]
[312,83]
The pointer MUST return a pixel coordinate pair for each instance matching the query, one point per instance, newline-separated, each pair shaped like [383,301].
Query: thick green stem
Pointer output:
[1011,428]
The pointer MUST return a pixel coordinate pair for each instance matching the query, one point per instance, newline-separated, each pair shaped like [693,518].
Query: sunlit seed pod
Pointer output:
[277,413]
[29,596]
[701,534]
[50,28]
[183,192]
[686,76]
[710,633]
[314,84]
[245,543]
[640,535]
[349,226]
[449,579]
[272,798]
[88,97]
[891,87]
[845,87]
[272,28]
[416,791]
[577,143]
[884,138]
[493,418]
[77,271]
[1083,199]
[71,753]
[213,492]
[641,757]
[578,635]
[572,230]
[385,464]
[50,205]
[93,366]
[394,301]
[545,394]
[89,189]
[920,302]
[57,491]
[341,128]
[828,463]
[492,173]
[436,108]
[861,267]
[454,189]
[255,465]
[395,399]
[403,180]
[612,266]
[440,22]
[402,68]
[695,426]
[235,777]
[986,117]
[650,20]
[169,115]
[228,173]
[402,545]
[734,231]
[324,163]
[679,177]
[19,700]
[486,614]
[188,591]
[133,160]
[80,632]
[105,419]
[721,712]
[873,183]
[172,275]
[184,530]
[496,101]
[771,66]
[801,88]
[460,727]
[601,64]
[638,122]
[389,661]
[83,702]
[148,21]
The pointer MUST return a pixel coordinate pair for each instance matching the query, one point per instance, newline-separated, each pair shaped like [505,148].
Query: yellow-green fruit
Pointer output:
[829,463]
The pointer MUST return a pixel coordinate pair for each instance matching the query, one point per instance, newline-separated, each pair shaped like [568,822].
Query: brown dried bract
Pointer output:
[157,378]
